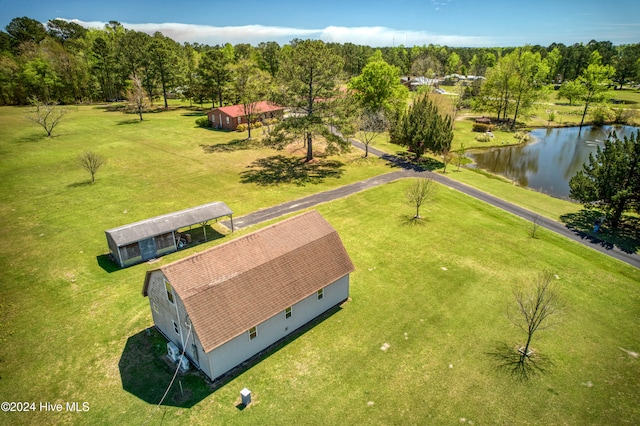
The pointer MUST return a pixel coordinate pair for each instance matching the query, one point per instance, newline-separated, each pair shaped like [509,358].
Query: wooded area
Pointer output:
[66,63]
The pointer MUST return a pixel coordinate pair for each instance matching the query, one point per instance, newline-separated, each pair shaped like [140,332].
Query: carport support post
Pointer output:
[204,229]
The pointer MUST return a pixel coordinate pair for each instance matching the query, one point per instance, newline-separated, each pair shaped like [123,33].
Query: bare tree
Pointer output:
[419,192]
[460,156]
[46,115]
[91,162]
[137,97]
[535,225]
[370,125]
[535,307]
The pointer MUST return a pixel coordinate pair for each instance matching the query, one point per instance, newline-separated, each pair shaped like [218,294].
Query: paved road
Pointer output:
[406,169]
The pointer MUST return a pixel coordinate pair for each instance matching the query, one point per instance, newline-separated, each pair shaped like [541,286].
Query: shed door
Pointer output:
[147,249]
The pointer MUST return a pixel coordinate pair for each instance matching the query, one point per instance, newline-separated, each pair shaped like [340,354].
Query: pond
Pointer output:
[550,159]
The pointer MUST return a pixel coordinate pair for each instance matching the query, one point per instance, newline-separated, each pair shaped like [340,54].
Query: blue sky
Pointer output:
[470,23]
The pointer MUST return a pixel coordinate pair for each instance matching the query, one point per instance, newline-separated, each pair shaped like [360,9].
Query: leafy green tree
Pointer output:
[496,92]
[626,63]
[530,78]
[25,30]
[480,63]
[453,63]
[308,78]
[553,60]
[64,31]
[165,61]
[9,76]
[242,51]
[134,53]
[611,178]
[105,68]
[514,84]
[378,87]
[251,85]
[40,79]
[269,57]
[596,79]
[572,90]
[422,128]
[189,76]
[215,67]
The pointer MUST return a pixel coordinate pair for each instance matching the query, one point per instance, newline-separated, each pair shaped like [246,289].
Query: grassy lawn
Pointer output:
[72,329]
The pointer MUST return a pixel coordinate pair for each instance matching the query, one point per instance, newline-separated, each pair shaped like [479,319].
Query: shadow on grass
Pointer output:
[196,234]
[195,112]
[279,169]
[146,371]
[626,237]
[234,145]
[411,220]
[37,137]
[129,121]
[106,263]
[115,107]
[510,360]
[407,161]
[80,184]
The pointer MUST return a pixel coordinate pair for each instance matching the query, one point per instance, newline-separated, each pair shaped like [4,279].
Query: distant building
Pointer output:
[228,117]
[226,304]
[414,83]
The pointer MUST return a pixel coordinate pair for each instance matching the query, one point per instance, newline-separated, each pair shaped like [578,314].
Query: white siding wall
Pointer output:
[239,349]
[163,311]
[166,314]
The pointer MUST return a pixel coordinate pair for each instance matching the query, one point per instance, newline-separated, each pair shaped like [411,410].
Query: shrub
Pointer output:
[602,114]
[483,138]
[242,127]
[481,127]
[203,122]
[522,136]
[270,121]
[257,124]
[625,115]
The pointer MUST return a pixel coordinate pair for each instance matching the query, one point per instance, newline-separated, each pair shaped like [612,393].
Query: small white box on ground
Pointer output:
[245,394]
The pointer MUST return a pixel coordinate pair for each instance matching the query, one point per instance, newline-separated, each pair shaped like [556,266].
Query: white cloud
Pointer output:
[382,36]
[254,34]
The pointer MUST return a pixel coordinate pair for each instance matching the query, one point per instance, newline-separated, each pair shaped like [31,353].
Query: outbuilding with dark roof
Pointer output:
[226,304]
[149,238]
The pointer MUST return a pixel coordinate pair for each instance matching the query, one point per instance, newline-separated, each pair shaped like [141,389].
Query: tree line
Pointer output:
[63,62]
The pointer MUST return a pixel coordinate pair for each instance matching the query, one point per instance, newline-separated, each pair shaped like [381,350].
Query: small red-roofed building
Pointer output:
[226,304]
[228,117]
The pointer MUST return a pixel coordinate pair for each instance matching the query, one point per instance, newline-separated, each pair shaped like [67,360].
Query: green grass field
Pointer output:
[73,329]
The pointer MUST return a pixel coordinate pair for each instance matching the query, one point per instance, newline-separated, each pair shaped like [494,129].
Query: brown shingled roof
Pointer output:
[237,285]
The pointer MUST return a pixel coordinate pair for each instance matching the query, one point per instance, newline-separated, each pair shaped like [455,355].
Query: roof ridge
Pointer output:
[194,256]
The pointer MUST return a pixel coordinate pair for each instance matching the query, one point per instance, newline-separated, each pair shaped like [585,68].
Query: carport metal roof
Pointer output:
[163,224]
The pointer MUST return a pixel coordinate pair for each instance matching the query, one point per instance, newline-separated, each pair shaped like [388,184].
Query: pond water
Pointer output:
[550,159]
